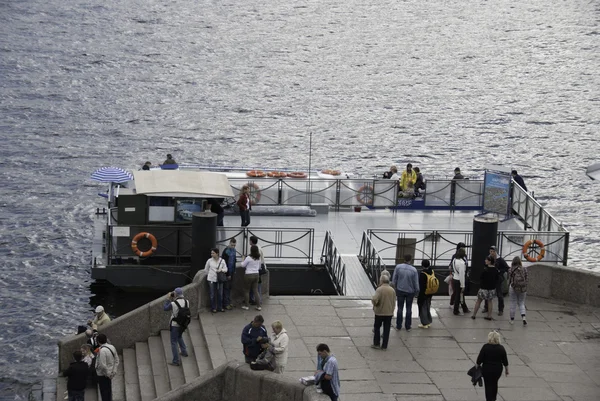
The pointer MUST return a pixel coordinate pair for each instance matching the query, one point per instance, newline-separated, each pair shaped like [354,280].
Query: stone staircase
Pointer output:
[144,373]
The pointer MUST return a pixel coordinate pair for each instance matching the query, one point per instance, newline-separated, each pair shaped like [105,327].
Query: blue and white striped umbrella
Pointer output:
[111,174]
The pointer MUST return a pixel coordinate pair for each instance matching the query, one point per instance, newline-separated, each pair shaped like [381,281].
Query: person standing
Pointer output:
[77,374]
[457,174]
[245,205]
[216,208]
[280,341]
[487,290]
[384,302]
[502,267]
[518,278]
[253,240]
[100,318]
[424,299]
[176,303]
[459,281]
[251,275]
[491,359]
[405,282]
[252,335]
[518,179]
[106,367]
[230,257]
[215,265]
[328,377]
[451,268]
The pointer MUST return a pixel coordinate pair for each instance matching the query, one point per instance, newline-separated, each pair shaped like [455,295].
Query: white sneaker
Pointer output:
[258,308]
[244,307]
[512,321]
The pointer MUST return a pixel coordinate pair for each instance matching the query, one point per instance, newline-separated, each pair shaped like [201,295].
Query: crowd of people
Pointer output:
[407,283]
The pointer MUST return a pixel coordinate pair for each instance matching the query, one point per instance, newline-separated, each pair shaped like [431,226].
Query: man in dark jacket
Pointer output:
[502,267]
[424,300]
[230,257]
[252,335]
[77,374]
[518,179]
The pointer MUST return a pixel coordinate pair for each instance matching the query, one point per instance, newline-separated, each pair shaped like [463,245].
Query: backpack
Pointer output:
[184,316]
[518,280]
[433,284]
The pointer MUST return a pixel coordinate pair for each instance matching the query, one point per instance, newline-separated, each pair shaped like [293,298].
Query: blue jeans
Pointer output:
[404,297]
[76,395]
[227,292]
[177,339]
[216,295]
[245,215]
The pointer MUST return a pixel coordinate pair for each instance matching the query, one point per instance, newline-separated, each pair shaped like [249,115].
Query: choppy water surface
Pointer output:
[439,83]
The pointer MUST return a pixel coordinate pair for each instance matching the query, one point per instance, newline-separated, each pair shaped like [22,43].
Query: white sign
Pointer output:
[129,209]
[120,232]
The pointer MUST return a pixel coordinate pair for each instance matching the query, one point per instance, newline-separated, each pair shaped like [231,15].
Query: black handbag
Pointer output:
[221,276]
[263,270]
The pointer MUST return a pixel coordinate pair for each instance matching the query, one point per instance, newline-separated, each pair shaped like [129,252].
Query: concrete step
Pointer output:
[159,366]
[118,382]
[144,371]
[175,373]
[132,382]
[198,343]
[61,387]
[190,367]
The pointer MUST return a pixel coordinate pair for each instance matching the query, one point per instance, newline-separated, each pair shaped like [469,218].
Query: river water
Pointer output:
[438,83]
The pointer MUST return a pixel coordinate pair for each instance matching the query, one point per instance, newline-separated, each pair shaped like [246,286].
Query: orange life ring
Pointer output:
[365,195]
[277,174]
[254,193]
[256,173]
[528,246]
[138,237]
[297,174]
[331,172]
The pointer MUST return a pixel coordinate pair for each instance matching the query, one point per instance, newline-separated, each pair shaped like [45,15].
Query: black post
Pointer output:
[204,237]
[485,234]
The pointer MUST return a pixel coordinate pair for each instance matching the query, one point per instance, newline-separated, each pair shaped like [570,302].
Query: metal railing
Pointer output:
[279,245]
[332,260]
[533,215]
[438,246]
[370,260]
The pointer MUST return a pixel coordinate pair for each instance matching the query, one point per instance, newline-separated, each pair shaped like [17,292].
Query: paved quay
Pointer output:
[555,357]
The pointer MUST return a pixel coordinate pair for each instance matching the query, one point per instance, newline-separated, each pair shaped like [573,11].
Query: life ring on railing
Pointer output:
[138,237]
[256,173]
[277,174]
[528,246]
[364,195]
[297,174]
[255,193]
[331,172]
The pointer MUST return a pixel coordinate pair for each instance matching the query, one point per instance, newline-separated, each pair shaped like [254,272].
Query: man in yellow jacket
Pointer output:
[384,303]
[407,175]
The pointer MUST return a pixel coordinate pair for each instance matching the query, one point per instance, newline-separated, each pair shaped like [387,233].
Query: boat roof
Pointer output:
[179,184]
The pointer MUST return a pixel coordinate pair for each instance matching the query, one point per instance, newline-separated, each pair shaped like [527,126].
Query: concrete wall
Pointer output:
[236,381]
[148,320]
[564,283]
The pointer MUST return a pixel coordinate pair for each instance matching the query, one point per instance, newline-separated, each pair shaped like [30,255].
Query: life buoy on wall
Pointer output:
[528,246]
[255,193]
[331,172]
[277,174]
[138,237]
[297,174]
[364,195]
[256,173]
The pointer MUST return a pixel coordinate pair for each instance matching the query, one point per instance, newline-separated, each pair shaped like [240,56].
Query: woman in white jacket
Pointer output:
[280,341]
[213,266]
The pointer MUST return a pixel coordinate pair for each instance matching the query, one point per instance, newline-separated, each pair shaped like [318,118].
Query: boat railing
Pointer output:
[533,214]
[438,246]
[174,243]
[332,260]
[370,259]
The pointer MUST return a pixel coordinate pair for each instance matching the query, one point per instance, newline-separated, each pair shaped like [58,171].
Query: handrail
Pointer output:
[530,211]
[370,260]
[438,246]
[332,260]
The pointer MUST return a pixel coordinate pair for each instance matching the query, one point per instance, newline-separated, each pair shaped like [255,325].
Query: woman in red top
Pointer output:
[244,205]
